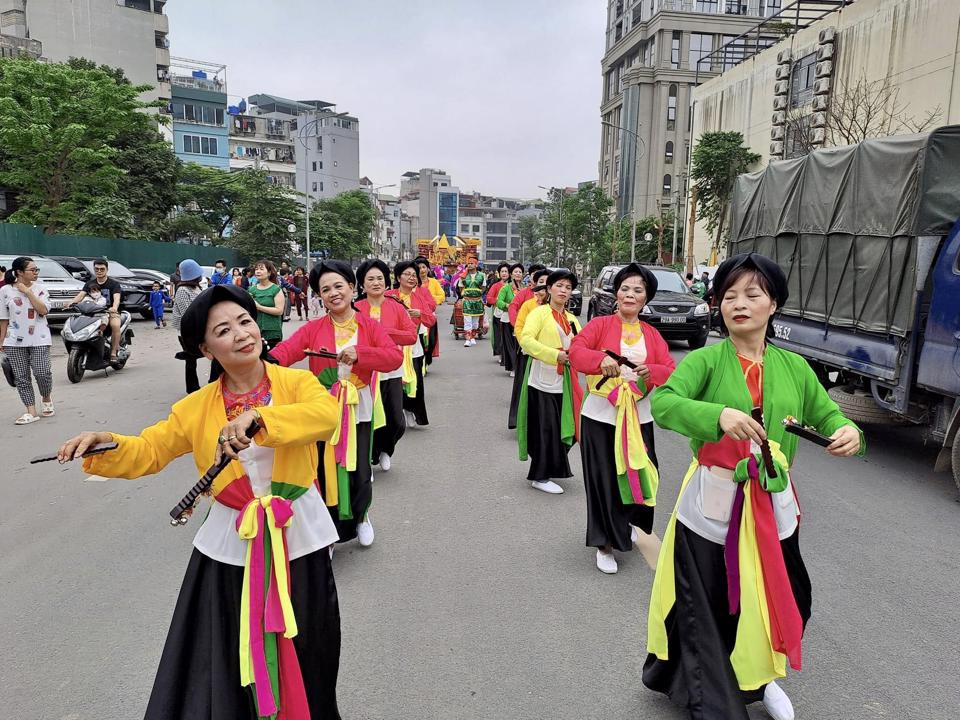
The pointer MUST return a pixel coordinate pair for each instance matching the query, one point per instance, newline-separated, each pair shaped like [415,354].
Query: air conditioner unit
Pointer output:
[784,56]
[776,132]
[818,136]
[824,69]
[779,118]
[783,72]
[821,103]
[776,149]
[821,87]
[780,102]
[781,87]
[825,52]
[818,120]
[827,35]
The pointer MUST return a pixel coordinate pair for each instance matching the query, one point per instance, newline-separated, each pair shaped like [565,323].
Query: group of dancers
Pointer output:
[731,596]
[256,629]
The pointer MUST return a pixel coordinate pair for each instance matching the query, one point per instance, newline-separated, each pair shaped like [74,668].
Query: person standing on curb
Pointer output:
[24,304]
[188,287]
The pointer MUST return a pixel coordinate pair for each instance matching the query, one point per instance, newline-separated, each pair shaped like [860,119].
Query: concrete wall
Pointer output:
[912,43]
[99,30]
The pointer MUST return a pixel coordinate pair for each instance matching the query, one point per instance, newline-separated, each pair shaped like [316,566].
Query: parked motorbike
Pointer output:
[87,339]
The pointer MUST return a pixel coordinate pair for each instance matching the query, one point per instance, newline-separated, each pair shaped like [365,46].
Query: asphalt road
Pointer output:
[478,599]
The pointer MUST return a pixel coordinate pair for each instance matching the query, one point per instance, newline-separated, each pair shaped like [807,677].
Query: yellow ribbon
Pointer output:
[348,397]
[409,372]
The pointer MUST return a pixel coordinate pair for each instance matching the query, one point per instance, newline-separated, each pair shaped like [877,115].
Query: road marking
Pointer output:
[649,547]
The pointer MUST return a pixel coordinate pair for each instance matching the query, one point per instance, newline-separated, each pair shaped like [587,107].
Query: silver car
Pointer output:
[63,287]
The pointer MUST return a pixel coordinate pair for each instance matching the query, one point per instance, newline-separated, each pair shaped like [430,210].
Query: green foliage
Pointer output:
[531,229]
[210,194]
[77,150]
[717,160]
[261,216]
[574,227]
[342,225]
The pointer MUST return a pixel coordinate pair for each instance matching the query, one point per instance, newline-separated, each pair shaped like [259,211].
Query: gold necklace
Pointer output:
[344,324]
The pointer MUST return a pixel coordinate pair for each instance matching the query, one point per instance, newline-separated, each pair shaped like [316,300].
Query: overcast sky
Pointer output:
[502,94]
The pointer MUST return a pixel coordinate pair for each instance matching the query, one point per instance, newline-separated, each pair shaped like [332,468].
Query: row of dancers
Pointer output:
[256,629]
[731,596]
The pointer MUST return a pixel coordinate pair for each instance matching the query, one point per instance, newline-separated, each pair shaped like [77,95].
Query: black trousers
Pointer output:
[509,346]
[361,487]
[548,453]
[417,404]
[385,439]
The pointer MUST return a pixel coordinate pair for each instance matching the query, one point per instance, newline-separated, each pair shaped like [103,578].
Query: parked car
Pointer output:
[676,312]
[155,276]
[575,305]
[62,285]
[135,295]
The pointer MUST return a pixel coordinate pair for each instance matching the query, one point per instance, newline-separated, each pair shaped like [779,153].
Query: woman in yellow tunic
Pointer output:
[256,629]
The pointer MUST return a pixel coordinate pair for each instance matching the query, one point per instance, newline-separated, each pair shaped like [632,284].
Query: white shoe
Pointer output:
[466,343]
[634,535]
[606,562]
[511,373]
[47,409]
[776,703]
[547,486]
[365,533]
[384,461]
[411,418]
[473,341]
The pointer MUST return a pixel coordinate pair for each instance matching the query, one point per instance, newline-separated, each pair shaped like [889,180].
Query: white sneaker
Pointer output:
[511,373]
[776,703]
[365,533]
[547,486]
[634,535]
[473,341]
[411,418]
[606,562]
[466,343]
[384,461]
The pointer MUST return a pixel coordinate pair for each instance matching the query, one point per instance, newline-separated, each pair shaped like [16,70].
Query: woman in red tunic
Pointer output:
[360,349]
[394,318]
[421,308]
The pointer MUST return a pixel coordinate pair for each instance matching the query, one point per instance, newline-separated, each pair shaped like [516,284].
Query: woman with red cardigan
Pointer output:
[421,307]
[620,469]
[360,349]
[374,276]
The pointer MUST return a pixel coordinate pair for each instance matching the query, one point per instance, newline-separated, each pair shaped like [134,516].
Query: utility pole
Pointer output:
[677,219]
[690,227]
[660,234]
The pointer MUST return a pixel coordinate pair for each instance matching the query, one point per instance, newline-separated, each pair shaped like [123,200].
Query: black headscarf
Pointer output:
[193,324]
[767,268]
[331,266]
[649,279]
[368,265]
[402,267]
[562,274]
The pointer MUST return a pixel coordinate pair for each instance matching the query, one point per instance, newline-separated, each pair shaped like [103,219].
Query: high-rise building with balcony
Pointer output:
[652,61]
[327,148]
[128,34]
[199,110]
[263,131]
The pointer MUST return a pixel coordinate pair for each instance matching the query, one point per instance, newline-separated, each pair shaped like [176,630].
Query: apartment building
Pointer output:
[327,151]
[653,49]
[129,34]
[262,135]
[198,107]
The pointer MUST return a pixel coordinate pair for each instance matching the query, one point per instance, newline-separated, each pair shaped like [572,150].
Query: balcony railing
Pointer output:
[11,46]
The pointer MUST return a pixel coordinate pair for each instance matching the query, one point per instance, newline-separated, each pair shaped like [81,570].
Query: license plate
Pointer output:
[58,304]
[669,319]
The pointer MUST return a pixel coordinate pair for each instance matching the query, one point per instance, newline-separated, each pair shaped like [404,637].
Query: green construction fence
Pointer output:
[31,240]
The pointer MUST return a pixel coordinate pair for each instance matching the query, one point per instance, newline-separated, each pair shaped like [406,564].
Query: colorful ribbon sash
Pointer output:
[409,372]
[268,659]
[340,453]
[637,476]
[569,409]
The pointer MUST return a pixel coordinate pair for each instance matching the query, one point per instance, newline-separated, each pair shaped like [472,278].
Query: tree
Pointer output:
[717,160]
[574,228]
[210,194]
[261,217]
[861,111]
[530,231]
[341,225]
[62,134]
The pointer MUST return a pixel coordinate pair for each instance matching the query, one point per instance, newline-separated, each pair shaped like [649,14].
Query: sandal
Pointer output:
[26,419]
[46,409]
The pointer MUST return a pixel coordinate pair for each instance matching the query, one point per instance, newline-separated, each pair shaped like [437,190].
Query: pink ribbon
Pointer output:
[633,477]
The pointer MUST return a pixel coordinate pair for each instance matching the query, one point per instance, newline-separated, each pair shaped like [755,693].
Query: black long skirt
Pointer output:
[518,381]
[417,404]
[701,632]
[385,439]
[509,345]
[495,329]
[548,453]
[433,337]
[199,673]
[608,519]
[361,488]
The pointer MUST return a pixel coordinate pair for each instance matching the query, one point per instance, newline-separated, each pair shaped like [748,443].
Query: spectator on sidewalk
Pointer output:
[187,290]
[157,299]
[220,275]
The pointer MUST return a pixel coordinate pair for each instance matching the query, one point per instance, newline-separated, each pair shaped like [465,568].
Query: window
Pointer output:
[735,7]
[314,187]
[514,228]
[675,50]
[668,153]
[732,54]
[476,228]
[496,242]
[701,45]
[465,228]
[706,6]
[498,228]
[319,143]
[515,243]
[313,166]
[199,145]
[448,206]
[672,107]
[321,187]
[667,184]
[770,7]
[496,255]
[650,52]
[801,82]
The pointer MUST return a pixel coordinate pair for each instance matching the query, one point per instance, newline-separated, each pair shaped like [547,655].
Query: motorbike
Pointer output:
[87,338]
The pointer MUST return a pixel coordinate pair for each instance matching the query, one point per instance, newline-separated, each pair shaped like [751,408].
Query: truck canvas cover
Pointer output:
[843,224]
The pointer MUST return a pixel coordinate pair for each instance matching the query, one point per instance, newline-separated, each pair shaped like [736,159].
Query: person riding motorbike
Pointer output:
[104,291]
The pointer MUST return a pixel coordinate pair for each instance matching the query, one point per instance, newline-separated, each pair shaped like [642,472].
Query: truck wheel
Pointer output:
[860,407]
[955,459]
[76,364]
[697,341]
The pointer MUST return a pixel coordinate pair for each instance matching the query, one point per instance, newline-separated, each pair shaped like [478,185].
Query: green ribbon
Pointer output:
[770,484]
[522,412]
[568,425]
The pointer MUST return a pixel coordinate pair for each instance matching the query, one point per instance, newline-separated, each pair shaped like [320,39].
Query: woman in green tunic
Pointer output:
[268,296]
[731,597]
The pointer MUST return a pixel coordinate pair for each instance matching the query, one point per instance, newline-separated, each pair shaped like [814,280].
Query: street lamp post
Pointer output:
[637,142]
[302,138]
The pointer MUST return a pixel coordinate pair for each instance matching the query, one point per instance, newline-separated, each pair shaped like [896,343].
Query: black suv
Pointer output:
[135,292]
[676,312]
